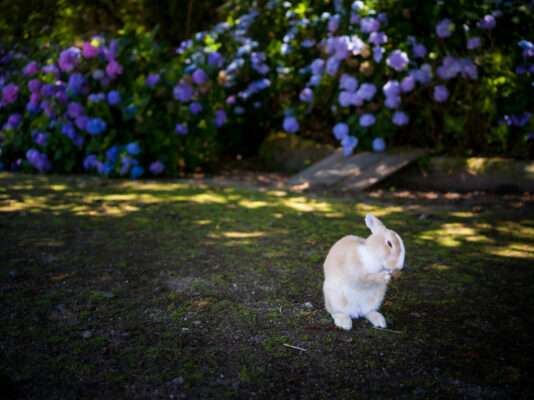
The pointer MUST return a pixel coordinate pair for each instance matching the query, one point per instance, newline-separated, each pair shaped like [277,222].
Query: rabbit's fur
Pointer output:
[357,272]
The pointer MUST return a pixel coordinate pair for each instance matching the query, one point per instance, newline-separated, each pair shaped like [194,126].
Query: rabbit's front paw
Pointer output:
[376,319]
[385,277]
[343,321]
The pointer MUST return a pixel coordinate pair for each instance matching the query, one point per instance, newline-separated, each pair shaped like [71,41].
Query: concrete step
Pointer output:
[353,173]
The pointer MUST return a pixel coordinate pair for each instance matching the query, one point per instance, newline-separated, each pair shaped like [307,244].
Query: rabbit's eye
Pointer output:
[389,244]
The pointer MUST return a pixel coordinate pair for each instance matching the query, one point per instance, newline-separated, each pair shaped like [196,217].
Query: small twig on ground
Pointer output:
[389,330]
[295,347]
[78,229]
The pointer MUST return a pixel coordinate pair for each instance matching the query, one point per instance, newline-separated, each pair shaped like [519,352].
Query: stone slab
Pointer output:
[379,170]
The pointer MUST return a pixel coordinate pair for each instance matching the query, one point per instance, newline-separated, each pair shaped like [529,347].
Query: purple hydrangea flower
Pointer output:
[467,68]
[419,50]
[400,118]
[333,23]
[38,160]
[90,161]
[113,69]
[367,120]
[366,91]
[151,80]
[181,129]
[32,108]
[444,28]
[449,68]
[98,74]
[39,138]
[378,38]
[487,22]
[340,130]
[81,122]
[391,88]
[10,93]
[74,110]
[30,69]
[68,58]
[525,45]
[94,126]
[397,60]
[441,93]
[34,85]
[215,58]
[156,167]
[290,124]
[220,118]
[369,24]
[306,95]
[35,98]
[183,92]
[14,121]
[521,119]
[48,90]
[407,84]
[89,51]
[420,75]
[51,69]
[379,144]
[114,97]
[473,43]
[195,107]
[378,53]
[199,76]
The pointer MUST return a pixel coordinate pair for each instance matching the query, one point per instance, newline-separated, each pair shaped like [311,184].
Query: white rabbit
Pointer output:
[357,272]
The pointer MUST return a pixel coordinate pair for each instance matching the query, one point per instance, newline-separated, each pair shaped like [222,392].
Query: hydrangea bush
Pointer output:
[362,74]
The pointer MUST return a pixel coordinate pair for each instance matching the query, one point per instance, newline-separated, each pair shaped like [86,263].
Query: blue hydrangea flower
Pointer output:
[349,143]
[183,92]
[473,43]
[306,95]
[369,24]
[487,22]
[444,28]
[441,93]
[181,129]
[366,91]
[340,130]
[367,120]
[349,83]
[195,108]
[113,153]
[220,118]
[392,102]
[379,144]
[151,80]
[391,88]
[133,149]
[332,66]
[397,60]
[290,124]
[76,82]
[114,97]
[136,172]
[317,66]
[95,126]
[419,50]
[407,84]
[400,118]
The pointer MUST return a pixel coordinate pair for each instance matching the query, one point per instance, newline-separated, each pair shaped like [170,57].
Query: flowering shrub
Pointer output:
[363,74]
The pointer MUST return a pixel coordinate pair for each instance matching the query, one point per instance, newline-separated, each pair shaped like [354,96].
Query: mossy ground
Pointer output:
[191,291]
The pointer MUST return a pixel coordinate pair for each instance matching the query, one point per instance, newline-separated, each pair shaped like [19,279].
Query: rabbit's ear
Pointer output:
[373,223]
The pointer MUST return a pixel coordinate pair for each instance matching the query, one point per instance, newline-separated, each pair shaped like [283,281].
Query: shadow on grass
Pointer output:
[191,290]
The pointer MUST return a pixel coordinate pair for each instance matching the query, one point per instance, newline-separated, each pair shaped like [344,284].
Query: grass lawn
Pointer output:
[121,289]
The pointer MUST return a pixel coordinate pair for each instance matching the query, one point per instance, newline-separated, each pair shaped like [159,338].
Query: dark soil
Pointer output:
[194,289]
